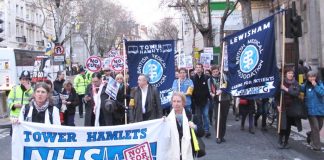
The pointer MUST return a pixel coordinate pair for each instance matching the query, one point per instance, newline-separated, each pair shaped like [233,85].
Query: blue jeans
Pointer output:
[203,110]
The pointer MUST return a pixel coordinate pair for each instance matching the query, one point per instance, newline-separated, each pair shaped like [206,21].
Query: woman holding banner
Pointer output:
[184,124]
[290,91]
[41,108]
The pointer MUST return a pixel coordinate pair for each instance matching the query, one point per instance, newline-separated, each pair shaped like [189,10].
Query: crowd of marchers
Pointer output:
[198,100]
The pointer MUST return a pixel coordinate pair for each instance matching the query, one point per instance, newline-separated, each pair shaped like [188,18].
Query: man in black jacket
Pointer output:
[201,96]
[145,101]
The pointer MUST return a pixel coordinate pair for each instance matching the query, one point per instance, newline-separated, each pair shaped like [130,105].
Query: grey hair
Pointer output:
[146,76]
[312,74]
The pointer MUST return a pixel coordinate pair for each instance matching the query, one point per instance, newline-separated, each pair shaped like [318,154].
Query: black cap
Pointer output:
[25,74]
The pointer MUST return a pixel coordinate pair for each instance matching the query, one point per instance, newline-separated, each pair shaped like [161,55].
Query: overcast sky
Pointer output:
[145,11]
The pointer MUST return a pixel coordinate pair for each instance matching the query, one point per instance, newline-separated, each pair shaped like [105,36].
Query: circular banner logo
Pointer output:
[94,64]
[154,69]
[249,59]
[117,64]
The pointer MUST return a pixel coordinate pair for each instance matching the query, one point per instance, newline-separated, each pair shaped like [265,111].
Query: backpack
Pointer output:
[50,112]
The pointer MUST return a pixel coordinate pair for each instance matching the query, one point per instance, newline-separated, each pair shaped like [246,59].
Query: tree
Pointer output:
[59,17]
[164,30]
[227,12]
[195,9]
[101,23]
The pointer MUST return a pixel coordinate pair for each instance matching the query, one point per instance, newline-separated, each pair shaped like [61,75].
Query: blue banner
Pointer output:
[252,68]
[156,59]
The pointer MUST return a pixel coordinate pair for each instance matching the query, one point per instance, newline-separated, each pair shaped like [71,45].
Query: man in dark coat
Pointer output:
[145,101]
[201,96]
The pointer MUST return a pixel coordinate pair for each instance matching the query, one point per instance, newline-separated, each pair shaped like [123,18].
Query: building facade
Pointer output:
[24,25]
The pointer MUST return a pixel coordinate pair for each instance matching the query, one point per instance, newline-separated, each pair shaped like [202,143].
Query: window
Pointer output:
[17,30]
[22,31]
[17,10]
[21,12]
[27,14]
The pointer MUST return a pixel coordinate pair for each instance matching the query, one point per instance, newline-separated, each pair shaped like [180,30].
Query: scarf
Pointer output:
[186,148]
[40,108]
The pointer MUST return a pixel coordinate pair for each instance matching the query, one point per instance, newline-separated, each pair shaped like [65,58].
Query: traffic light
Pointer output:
[1,29]
[57,2]
[293,23]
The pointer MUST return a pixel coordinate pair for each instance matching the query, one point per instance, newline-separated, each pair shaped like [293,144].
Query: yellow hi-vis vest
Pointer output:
[17,96]
[80,84]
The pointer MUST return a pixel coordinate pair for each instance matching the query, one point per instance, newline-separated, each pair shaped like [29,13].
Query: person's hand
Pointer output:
[279,108]
[17,105]
[14,120]
[313,82]
[164,118]
[212,95]
[87,98]
[218,92]
[68,102]
[284,88]
[64,101]
[192,125]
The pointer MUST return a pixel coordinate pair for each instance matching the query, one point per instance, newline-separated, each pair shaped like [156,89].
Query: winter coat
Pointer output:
[153,104]
[73,98]
[58,85]
[200,94]
[314,98]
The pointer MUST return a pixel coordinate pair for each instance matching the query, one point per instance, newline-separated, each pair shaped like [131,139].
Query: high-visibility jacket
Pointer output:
[88,75]
[17,96]
[80,84]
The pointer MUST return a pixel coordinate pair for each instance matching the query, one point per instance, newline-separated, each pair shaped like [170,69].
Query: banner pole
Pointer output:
[220,84]
[125,80]
[282,68]
[179,71]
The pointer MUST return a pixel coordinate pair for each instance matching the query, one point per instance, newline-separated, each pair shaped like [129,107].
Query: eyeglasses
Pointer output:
[106,70]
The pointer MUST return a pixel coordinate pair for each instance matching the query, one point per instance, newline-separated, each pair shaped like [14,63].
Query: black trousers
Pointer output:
[224,109]
[81,96]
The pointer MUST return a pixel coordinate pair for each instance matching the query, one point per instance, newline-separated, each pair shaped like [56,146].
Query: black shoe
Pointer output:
[237,118]
[286,145]
[223,140]
[81,116]
[218,140]
[316,149]
[207,134]
[281,146]
[308,139]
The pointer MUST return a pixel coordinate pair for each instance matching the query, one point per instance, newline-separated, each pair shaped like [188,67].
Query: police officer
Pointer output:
[19,95]
[81,83]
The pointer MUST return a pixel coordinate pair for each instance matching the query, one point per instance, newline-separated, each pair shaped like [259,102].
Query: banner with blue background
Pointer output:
[149,140]
[252,68]
[156,59]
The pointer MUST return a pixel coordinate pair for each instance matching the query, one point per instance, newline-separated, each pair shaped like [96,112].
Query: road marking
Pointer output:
[4,133]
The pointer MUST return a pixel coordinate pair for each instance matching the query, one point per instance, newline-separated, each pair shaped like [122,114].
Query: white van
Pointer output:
[14,61]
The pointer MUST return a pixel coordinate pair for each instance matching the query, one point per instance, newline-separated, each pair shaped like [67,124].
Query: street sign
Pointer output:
[117,64]
[58,50]
[59,58]
[94,64]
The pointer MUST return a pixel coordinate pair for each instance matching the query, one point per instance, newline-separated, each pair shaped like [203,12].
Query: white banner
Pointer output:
[145,140]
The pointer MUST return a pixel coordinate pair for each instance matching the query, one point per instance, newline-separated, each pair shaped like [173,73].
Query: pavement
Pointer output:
[306,128]
[5,123]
